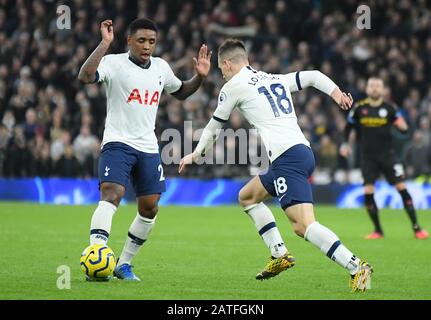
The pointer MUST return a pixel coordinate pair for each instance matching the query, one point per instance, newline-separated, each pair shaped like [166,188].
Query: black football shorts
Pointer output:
[388,166]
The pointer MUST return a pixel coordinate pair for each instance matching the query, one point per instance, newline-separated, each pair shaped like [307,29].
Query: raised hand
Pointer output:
[107,31]
[344,100]
[203,62]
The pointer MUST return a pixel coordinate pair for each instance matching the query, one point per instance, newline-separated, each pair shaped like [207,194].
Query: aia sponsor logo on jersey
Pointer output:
[148,98]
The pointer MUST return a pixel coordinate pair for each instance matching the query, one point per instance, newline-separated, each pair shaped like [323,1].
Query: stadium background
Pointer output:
[51,125]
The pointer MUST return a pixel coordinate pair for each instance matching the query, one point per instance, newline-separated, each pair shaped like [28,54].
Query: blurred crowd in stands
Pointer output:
[52,125]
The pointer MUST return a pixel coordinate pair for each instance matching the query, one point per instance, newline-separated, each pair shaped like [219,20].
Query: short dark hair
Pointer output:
[231,45]
[376,77]
[142,23]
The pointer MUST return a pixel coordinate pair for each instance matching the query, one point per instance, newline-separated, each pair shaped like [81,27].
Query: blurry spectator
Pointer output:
[327,154]
[17,158]
[91,164]
[425,129]
[4,142]
[57,125]
[418,156]
[42,163]
[84,144]
[23,99]
[8,121]
[29,125]
[39,64]
[59,145]
[68,166]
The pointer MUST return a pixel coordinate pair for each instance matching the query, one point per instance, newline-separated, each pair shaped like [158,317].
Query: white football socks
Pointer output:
[265,224]
[138,233]
[328,242]
[101,222]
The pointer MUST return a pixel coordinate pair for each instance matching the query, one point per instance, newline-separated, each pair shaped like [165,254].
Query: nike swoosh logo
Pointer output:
[279,199]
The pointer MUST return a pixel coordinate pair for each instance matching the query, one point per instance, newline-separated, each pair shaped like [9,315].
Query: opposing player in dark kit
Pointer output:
[373,118]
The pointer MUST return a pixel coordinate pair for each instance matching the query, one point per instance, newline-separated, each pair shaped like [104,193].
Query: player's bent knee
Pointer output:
[148,207]
[245,198]
[299,229]
[112,193]
[149,212]
[241,199]
[297,226]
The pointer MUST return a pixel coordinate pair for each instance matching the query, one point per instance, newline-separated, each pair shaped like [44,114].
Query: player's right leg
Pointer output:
[115,163]
[394,173]
[304,224]
[251,198]
[101,221]
[370,172]
[373,212]
[291,172]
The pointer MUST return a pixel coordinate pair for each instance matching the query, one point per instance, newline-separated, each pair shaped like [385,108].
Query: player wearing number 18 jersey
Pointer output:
[265,101]
[134,82]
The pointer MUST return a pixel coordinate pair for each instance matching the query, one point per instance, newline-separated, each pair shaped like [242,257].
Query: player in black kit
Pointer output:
[373,119]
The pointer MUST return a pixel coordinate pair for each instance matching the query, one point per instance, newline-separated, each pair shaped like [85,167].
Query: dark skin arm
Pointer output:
[87,73]
[189,87]
[202,67]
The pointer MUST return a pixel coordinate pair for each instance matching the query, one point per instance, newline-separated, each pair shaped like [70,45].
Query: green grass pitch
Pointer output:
[207,253]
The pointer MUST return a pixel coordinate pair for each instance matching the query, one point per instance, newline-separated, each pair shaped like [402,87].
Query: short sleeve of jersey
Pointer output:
[171,82]
[293,82]
[104,70]
[226,103]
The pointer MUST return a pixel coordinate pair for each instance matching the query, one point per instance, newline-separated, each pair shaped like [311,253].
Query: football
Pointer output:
[98,262]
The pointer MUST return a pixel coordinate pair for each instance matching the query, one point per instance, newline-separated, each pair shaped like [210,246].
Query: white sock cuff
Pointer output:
[146,220]
[107,205]
[251,206]
[310,226]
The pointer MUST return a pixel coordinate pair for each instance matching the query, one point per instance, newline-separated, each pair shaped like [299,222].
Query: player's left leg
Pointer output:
[291,173]
[370,172]
[304,224]
[149,183]
[138,233]
[410,209]
[394,173]
[251,198]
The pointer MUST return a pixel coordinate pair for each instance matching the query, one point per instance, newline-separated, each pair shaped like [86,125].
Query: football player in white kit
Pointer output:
[134,82]
[265,101]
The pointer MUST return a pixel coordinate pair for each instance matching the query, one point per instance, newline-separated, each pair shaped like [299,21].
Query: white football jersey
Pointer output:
[133,95]
[265,101]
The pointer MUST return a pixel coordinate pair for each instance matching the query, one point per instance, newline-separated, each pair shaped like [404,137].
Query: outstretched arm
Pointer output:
[202,67]
[87,73]
[226,103]
[208,137]
[314,78]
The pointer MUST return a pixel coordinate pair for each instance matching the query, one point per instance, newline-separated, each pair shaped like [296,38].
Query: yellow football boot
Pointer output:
[275,266]
[361,280]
